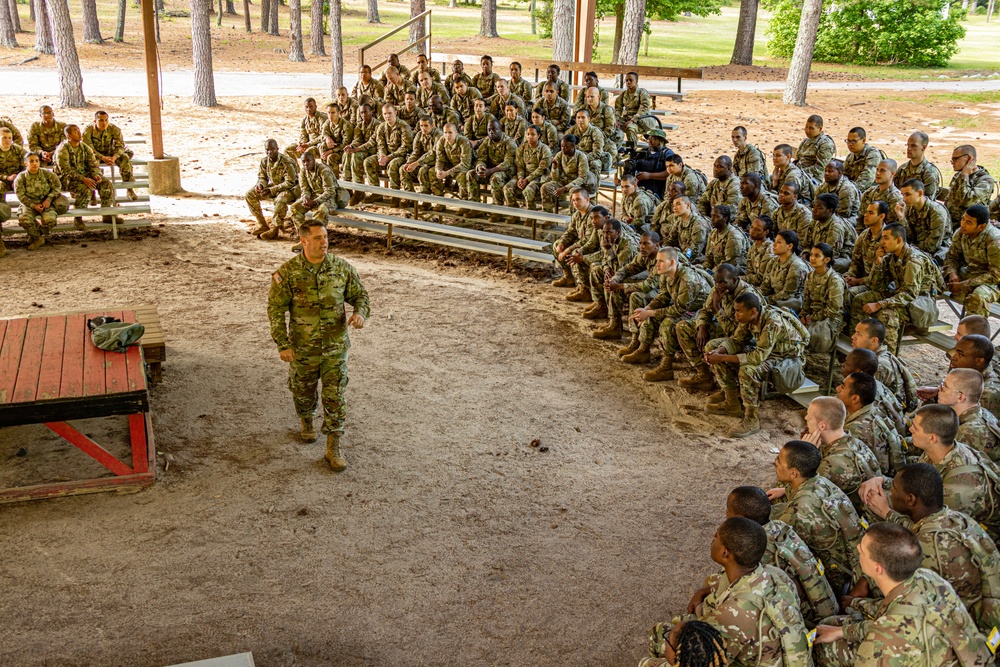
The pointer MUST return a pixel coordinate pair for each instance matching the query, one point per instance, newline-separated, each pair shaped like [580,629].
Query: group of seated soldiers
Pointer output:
[59,158]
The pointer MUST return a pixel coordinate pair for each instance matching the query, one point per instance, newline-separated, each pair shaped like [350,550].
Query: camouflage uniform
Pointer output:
[679,298]
[447,115]
[110,143]
[690,237]
[485,84]
[628,107]
[404,74]
[449,82]
[798,219]
[662,222]
[579,233]
[279,181]
[392,142]
[373,89]
[864,259]
[41,138]
[581,97]
[477,127]
[532,164]
[570,172]
[861,167]
[841,237]
[365,146]
[421,152]
[550,136]
[750,160]
[500,153]
[522,89]
[348,110]
[11,162]
[760,254]
[410,117]
[822,309]
[603,118]
[591,144]
[314,297]
[719,192]
[748,210]
[894,374]
[891,196]
[929,228]
[73,164]
[310,134]
[976,261]
[813,154]
[637,209]
[921,623]
[464,105]
[514,129]
[790,554]
[784,281]
[990,400]
[610,260]
[424,96]
[431,72]
[5,121]
[632,277]
[964,191]
[321,186]
[562,90]
[694,183]
[874,429]
[558,113]
[396,95]
[717,315]
[728,246]
[497,105]
[824,518]
[849,198]
[925,172]
[847,462]
[794,174]
[340,135]
[978,428]
[32,190]
[454,159]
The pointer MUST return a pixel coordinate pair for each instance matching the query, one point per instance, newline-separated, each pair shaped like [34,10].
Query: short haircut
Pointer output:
[922,136]
[601,211]
[967,149]
[310,99]
[802,456]
[724,210]
[968,381]
[585,112]
[309,224]
[511,103]
[487,57]
[628,178]
[6,130]
[815,120]
[894,548]
[69,128]
[826,249]
[516,64]
[751,177]
[750,502]
[745,539]
[975,324]
[864,386]
[914,184]
[785,149]
[864,360]
[791,185]
[742,130]
[860,131]
[836,164]
[556,67]
[670,253]
[830,410]
[99,113]
[923,481]
[881,208]
[635,75]
[726,269]
[829,200]
[614,223]
[790,237]
[981,346]
[875,328]
[889,162]
[571,138]
[581,190]
[675,159]
[939,420]
[749,300]
[896,230]
[725,161]
[979,213]
[652,236]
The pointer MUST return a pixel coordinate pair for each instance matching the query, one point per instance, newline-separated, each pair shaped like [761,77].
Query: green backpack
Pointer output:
[792,555]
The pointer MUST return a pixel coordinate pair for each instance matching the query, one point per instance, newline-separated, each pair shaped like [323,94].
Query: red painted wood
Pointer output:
[73,488]
[137,433]
[50,373]
[31,361]
[76,336]
[89,447]
[10,357]
[134,359]
[93,363]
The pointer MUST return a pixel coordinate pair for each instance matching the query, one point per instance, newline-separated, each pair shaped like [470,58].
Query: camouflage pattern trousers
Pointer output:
[292,152]
[979,300]
[124,164]
[281,203]
[512,194]
[687,335]
[319,213]
[28,217]
[496,181]
[748,378]
[354,165]
[305,373]
[391,169]
[81,193]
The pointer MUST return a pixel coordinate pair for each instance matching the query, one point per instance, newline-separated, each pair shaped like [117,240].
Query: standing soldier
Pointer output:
[319,191]
[45,135]
[970,185]
[277,179]
[312,289]
[494,166]
[40,194]
[816,149]
[972,266]
[724,188]
[919,167]
[392,141]
[109,145]
[310,133]
[532,161]
[632,109]
[76,164]
[421,158]
[337,134]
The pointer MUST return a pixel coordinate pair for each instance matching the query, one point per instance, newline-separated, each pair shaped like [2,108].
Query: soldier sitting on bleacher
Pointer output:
[109,145]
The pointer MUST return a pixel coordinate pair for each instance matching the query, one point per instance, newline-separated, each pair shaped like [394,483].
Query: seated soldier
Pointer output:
[109,146]
[487,79]
[927,223]
[362,146]
[866,421]
[463,100]
[401,69]
[40,194]
[632,108]
[393,140]
[477,126]
[974,324]
[650,164]
[847,462]
[627,279]
[830,228]
[748,159]
[822,311]
[954,546]
[376,107]
[862,159]
[424,67]
[786,275]
[769,343]
[701,643]
[663,215]
[869,334]
[970,477]
[319,191]
[868,248]
[919,167]
[754,606]
[11,161]
[452,159]
[637,205]
[569,170]
[920,621]
[552,78]
[6,122]
[45,135]
[906,292]
[972,266]
[755,201]
[618,249]
[494,167]
[410,113]
[427,89]
[818,511]
[443,114]
[420,162]
[346,104]
[590,142]
[310,132]
[688,231]
[555,108]
[396,88]
[277,180]
[815,150]
[726,243]
[548,134]
[367,85]
[76,165]
[590,80]
[682,291]
[785,171]
[602,117]
[884,190]
[513,124]
[793,214]
[586,252]
[836,183]
[761,251]
[457,74]
[499,101]
[724,188]
[961,390]
[520,87]
[694,181]
[578,233]
[970,185]
[532,161]
[338,132]
[860,360]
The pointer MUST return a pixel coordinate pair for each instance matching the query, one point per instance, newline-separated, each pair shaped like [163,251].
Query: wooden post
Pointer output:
[152,77]
[388,239]
[583,49]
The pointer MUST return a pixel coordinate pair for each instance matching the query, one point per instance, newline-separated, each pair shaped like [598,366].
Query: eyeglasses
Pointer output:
[956,158]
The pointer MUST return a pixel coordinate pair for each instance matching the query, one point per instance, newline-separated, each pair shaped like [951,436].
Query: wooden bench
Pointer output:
[957,306]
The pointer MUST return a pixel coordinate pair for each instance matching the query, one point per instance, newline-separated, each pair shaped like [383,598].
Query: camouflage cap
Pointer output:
[656,133]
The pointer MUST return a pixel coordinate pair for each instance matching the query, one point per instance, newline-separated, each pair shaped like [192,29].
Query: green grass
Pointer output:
[962,123]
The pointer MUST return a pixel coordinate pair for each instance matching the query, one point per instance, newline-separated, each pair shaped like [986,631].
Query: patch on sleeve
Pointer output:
[820,568]
[276,277]
[993,640]
[811,637]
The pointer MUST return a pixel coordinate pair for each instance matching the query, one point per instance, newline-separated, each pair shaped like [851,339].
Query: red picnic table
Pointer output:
[51,373]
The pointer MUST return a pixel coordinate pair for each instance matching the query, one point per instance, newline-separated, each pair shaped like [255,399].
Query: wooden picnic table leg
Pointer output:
[137,434]
[534,230]
[510,257]
[114,204]
[388,239]
[89,447]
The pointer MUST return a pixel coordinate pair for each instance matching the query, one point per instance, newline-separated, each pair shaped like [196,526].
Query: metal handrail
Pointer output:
[425,40]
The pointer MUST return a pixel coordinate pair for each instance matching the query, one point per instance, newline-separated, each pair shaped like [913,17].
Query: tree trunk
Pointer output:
[417,30]
[265,15]
[43,28]
[336,49]
[619,26]
[91,26]
[452,3]
[67,61]
[373,11]
[743,49]
[231,8]
[158,5]
[120,22]
[156,15]
[15,17]
[8,38]
[246,15]
[201,51]
[805,44]
[295,53]
[219,18]
[273,20]
[563,24]
[635,19]
[488,19]
[316,46]
[31,11]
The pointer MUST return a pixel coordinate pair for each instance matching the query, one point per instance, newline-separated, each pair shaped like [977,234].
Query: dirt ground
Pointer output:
[450,539]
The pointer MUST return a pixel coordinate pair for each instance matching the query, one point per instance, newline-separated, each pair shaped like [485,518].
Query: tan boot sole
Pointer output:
[723,409]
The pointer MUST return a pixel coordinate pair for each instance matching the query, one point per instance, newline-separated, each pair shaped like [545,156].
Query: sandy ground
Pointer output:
[450,539]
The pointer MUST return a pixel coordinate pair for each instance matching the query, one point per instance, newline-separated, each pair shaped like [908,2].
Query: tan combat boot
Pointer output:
[632,346]
[260,228]
[36,243]
[638,356]
[132,196]
[3,248]
[567,280]
[333,456]
[610,331]
[373,199]
[596,311]
[581,294]
[749,425]
[308,432]
[78,223]
[731,407]
[663,372]
[356,198]
[107,220]
[717,397]
[702,380]
[271,234]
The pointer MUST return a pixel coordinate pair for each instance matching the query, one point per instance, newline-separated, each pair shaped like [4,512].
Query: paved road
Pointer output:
[132,83]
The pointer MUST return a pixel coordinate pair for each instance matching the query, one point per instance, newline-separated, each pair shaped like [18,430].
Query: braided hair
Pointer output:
[700,645]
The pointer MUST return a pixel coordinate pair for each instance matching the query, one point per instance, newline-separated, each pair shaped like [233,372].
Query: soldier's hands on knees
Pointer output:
[287,355]
[356,321]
